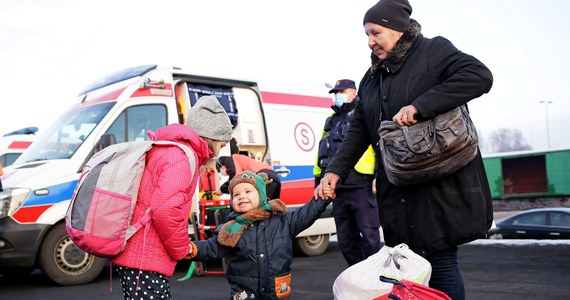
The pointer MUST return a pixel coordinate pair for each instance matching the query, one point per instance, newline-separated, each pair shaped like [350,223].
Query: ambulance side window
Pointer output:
[8,158]
[117,130]
[132,123]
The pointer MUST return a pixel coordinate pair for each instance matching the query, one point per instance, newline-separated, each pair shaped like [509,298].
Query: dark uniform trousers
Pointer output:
[357,223]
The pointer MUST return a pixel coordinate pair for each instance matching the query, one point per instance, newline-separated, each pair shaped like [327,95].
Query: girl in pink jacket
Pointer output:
[167,187]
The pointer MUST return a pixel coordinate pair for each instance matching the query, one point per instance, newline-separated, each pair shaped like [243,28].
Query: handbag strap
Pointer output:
[470,125]
[431,133]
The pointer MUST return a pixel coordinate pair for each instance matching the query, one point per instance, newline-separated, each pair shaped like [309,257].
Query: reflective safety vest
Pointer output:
[336,126]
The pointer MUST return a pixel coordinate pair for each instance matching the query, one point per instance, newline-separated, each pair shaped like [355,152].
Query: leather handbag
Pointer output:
[429,149]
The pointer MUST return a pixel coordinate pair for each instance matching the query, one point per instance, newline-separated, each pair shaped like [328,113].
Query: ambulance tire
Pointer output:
[313,245]
[64,263]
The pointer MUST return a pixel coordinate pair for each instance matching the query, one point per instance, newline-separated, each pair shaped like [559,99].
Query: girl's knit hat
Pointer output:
[209,119]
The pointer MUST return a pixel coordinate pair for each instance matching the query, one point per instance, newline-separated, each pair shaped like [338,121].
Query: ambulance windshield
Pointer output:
[67,134]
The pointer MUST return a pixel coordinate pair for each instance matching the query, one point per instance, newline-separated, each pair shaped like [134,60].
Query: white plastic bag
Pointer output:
[362,280]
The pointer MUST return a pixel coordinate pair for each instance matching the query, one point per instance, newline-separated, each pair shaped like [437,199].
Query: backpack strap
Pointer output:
[148,215]
[186,149]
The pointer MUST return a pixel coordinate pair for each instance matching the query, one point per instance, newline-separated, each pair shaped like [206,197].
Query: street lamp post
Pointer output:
[547,127]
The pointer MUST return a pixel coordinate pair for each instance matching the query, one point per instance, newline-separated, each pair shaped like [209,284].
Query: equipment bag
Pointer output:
[98,219]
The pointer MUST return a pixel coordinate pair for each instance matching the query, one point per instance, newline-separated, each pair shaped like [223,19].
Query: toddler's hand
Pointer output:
[329,192]
[192,252]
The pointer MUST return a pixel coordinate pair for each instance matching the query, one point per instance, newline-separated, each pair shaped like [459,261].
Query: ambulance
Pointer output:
[14,143]
[279,128]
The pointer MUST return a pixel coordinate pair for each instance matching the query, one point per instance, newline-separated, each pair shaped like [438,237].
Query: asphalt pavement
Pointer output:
[492,269]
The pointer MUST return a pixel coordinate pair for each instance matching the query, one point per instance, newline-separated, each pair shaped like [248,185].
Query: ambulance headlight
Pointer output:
[11,199]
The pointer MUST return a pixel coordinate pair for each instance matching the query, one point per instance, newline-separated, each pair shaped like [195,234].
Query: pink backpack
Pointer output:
[100,213]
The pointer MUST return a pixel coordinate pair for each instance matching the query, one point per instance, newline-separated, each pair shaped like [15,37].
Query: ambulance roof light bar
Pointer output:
[118,77]
[149,83]
[27,130]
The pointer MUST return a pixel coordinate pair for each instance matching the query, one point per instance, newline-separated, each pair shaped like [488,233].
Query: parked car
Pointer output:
[538,223]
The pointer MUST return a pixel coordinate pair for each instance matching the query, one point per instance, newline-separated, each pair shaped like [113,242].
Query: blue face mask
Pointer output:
[340,99]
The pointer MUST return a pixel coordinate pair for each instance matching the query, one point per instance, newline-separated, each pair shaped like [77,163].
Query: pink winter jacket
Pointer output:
[167,187]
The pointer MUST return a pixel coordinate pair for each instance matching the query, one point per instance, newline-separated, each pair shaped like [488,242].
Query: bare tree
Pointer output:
[507,139]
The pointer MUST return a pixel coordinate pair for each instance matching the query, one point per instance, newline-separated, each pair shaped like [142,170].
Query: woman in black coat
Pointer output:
[414,78]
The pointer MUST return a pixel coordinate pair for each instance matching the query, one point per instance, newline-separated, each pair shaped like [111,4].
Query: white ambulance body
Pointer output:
[14,143]
[281,129]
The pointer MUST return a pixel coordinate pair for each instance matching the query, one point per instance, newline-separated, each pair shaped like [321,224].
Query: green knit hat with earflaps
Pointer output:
[254,179]
[231,232]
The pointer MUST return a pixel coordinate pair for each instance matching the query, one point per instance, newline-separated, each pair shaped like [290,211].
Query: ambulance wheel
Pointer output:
[64,263]
[313,245]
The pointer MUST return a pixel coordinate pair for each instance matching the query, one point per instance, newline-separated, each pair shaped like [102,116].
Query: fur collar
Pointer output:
[231,232]
[398,53]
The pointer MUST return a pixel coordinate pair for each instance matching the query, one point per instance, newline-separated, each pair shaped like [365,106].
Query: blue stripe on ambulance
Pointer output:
[302,172]
[56,193]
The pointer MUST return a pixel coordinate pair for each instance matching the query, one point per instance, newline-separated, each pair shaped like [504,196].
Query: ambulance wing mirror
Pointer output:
[107,139]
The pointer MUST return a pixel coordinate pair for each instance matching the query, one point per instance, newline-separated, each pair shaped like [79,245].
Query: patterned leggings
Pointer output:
[151,285]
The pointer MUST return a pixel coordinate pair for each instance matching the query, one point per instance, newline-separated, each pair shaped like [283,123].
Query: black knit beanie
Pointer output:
[393,14]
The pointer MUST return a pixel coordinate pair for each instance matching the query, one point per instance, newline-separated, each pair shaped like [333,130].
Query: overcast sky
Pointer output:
[51,49]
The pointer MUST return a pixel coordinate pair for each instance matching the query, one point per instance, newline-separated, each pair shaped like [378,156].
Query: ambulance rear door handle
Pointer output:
[283,171]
